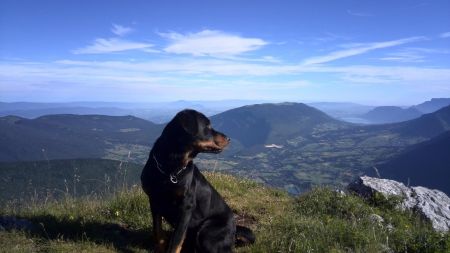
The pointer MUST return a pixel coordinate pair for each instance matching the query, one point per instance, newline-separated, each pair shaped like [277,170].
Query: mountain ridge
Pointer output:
[72,136]
[310,148]
[391,114]
[426,163]
[271,123]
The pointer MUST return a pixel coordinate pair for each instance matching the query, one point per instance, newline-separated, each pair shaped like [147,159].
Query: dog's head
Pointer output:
[193,131]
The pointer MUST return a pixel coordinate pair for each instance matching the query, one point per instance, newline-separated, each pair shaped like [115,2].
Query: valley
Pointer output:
[287,145]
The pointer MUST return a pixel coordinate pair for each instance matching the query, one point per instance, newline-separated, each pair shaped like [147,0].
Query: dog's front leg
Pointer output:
[177,239]
[158,233]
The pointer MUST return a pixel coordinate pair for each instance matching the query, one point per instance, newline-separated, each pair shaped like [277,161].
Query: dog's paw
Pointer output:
[160,246]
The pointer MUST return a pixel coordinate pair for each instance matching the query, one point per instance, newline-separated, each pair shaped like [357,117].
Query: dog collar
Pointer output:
[172,176]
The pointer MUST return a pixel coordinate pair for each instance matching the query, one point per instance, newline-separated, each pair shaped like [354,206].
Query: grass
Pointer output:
[320,220]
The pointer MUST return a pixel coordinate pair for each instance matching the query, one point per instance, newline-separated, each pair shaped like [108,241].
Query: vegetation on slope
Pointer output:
[76,136]
[56,179]
[321,220]
[425,164]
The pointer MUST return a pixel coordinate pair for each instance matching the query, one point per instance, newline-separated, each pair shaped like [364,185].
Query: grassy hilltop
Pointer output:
[321,220]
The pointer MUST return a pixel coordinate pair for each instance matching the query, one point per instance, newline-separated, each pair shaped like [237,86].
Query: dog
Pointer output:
[179,193]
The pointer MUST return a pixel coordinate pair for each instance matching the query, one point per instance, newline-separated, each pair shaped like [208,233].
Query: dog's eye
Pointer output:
[208,130]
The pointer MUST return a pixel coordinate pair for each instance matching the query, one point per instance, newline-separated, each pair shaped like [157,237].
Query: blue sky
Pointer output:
[370,52]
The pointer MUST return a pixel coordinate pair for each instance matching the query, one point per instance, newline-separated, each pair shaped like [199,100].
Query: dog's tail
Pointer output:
[244,236]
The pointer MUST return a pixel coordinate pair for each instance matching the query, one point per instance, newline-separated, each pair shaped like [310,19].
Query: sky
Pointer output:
[370,52]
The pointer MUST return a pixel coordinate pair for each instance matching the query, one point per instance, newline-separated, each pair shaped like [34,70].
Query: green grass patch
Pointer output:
[320,220]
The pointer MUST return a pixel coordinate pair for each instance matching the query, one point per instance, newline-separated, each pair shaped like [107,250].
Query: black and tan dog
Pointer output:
[178,191]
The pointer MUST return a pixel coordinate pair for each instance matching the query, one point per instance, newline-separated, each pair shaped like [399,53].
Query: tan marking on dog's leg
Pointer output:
[179,246]
[158,234]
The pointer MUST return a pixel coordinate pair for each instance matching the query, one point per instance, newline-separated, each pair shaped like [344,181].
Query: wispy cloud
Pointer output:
[445,35]
[191,78]
[359,14]
[413,54]
[103,46]
[120,30]
[210,67]
[324,38]
[211,43]
[387,74]
[357,49]
[406,56]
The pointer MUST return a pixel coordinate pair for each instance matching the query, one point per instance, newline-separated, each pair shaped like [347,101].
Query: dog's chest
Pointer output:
[173,197]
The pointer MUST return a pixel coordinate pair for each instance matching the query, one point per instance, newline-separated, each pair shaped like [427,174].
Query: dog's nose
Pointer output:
[228,139]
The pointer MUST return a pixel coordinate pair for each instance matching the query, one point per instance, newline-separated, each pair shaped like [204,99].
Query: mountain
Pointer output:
[287,145]
[155,112]
[305,158]
[27,106]
[390,114]
[272,123]
[427,126]
[433,105]
[426,164]
[38,112]
[75,136]
[416,130]
[159,112]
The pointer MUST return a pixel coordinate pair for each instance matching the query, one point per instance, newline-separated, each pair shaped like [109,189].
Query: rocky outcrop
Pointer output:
[433,205]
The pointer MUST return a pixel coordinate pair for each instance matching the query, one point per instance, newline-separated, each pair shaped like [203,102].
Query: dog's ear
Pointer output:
[188,120]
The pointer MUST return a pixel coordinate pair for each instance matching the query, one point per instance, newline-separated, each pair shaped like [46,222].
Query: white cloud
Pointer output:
[103,46]
[358,49]
[445,35]
[120,30]
[211,43]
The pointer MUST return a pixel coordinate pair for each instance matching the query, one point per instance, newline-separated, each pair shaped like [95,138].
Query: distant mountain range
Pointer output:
[364,114]
[433,105]
[392,114]
[161,112]
[156,112]
[426,163]
[288,145]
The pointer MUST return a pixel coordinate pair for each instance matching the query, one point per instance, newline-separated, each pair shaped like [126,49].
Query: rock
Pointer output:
[376,219]
[340,193]
[386,249]
[389,227]
[433,205]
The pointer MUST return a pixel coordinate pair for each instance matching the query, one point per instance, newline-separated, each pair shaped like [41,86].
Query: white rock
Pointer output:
[433,205]
[376,219]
